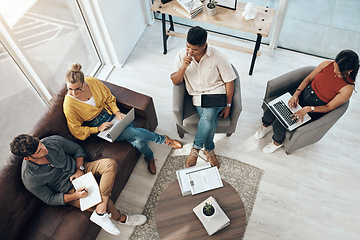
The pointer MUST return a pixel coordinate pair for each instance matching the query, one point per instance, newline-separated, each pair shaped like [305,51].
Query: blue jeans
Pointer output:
[206,128]
[138,137]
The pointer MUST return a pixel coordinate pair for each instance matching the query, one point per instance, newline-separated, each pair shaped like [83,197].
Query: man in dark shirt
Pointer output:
[49,166]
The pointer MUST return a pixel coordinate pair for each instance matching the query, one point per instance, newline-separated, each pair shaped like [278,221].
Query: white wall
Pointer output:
[126,21]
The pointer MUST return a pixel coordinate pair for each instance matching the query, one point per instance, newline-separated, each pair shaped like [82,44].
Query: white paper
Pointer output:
[204,180]
[183,178]
[88,181]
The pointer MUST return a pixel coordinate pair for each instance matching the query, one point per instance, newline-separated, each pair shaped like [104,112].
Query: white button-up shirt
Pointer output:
[208,76]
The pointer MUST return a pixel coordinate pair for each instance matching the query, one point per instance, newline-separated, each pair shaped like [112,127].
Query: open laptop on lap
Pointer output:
[279,107]
[118,126]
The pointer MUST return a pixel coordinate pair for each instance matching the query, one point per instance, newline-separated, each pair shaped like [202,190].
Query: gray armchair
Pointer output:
[187,117]
[308,133]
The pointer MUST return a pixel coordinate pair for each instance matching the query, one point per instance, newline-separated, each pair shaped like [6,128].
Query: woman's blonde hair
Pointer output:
[75,74]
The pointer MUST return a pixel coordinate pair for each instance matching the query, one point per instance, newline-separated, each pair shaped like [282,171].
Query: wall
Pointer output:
[126,21]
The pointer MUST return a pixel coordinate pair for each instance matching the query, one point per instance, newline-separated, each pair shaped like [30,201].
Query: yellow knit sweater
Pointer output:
[76,112]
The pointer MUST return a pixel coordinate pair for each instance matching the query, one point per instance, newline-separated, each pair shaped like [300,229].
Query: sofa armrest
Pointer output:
[127,99]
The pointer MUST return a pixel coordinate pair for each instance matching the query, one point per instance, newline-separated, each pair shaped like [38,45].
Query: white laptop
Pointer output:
[279,107]
[118,126]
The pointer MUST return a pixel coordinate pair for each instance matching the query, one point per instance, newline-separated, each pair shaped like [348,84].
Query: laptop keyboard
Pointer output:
[285,112]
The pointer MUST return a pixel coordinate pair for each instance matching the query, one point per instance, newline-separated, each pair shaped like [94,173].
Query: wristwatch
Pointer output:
[228,105]
[312,109]
[81,168]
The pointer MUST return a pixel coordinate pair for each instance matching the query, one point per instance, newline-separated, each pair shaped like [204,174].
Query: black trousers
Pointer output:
[306,98]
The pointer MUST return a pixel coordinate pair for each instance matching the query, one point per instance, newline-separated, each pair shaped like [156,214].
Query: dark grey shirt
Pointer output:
[49,182]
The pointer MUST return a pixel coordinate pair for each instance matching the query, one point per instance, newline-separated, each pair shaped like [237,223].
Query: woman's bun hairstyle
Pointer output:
[76,67]
[75,74]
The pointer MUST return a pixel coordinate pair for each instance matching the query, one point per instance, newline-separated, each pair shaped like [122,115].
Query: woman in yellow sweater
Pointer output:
[89,108]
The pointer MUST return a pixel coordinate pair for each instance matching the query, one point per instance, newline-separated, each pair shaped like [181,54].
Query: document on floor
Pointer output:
[88,181]
[184,180]
[215,223]
[204,180]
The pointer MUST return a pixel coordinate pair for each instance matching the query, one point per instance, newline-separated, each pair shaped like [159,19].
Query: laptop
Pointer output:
[279,107]
[118,126]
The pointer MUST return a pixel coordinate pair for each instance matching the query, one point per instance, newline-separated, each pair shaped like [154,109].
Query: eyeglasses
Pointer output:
[76,89]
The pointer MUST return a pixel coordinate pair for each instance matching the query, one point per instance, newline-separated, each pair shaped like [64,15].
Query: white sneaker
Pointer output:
[271,147]
[262,132]
[134,220]
[105,222]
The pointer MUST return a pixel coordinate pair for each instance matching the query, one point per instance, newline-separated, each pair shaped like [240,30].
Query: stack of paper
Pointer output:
[215,223]
[184,180]
[199,179]
[190,8]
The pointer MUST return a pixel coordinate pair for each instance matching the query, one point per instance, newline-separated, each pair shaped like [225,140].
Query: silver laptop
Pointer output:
[118,126]
[279,107]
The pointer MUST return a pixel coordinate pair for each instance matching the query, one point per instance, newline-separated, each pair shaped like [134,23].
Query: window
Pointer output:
[20,105]
[53,35]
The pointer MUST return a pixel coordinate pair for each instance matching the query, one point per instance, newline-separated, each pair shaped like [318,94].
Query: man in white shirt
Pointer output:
[205,70]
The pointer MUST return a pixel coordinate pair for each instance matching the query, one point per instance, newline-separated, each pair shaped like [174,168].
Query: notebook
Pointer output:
[118,126]
[279,107]
[94,197]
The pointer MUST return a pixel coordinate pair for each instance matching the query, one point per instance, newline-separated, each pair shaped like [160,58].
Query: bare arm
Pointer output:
[80,193]
[229,87]
[342,97]
[178,77]
[294,101]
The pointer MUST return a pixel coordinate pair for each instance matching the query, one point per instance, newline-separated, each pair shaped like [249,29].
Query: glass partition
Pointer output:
[321,27]
[20,105]
[53,35]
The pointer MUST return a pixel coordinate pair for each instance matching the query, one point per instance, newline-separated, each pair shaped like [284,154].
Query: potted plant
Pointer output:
[211,7]
[208,210]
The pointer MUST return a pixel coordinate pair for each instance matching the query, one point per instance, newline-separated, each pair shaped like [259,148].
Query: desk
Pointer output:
[175,219]
[224,17]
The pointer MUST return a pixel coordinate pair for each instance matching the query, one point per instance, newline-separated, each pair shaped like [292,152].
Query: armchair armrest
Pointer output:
[178,102]
[236,107]
[304,135]
[127,99]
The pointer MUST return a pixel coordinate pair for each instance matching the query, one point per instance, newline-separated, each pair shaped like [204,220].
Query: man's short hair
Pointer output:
[24,145]
[197,36]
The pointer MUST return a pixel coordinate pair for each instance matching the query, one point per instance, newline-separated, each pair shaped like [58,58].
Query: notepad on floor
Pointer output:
[94,197]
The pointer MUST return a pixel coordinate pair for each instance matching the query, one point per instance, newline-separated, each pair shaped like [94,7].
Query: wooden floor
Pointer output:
[311,194]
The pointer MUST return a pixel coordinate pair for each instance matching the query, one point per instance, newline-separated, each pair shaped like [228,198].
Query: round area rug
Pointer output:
[243,177]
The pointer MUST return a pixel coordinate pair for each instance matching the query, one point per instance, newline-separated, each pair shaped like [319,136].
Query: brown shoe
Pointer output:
[151,165]
[211,157]
[173,143]
[192,158]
